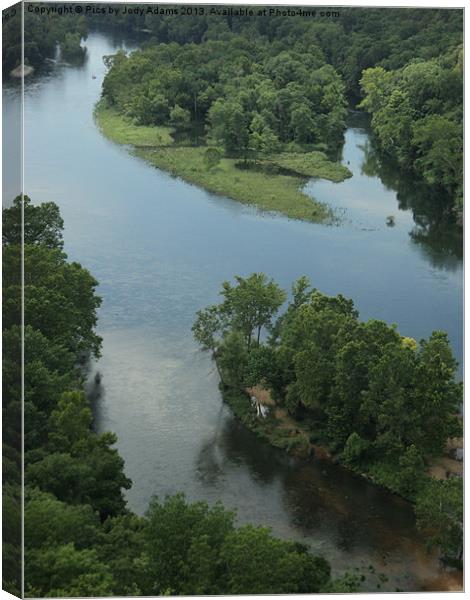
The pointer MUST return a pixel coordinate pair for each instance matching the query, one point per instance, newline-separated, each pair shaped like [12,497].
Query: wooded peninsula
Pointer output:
[245,106]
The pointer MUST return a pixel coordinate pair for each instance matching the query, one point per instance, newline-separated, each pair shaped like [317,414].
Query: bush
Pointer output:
[212,157]
[354,449]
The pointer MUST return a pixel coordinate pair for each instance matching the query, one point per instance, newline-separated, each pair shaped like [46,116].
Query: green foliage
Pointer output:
[259,366]
[185,543]
[354,449]
[384,403]
[232,359]
[62,570]
[347,584]
[179,117]
[91,473]
[123,548]
[42,224]
[49,521]
[196,549]
[11,532]
[212,157]
[417,118]
[70,47]
[411,476]
[207,326]
[252,97]
[439,512]
[249,551]
[250,305]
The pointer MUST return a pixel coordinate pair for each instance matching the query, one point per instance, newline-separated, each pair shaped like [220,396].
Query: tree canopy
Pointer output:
[383,403]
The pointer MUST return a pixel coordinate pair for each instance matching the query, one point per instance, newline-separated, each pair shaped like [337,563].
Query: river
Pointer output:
[160,249]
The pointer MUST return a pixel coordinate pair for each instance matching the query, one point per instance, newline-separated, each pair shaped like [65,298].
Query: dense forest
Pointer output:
[80,537]
[43,35]
[255,97]
[381,403]
[282,80]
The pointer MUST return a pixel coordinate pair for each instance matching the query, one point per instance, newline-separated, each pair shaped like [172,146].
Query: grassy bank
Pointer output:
[312,164]
[121,130]
[268,191]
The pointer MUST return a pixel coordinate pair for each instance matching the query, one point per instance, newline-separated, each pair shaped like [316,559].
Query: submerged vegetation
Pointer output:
[382,404]
[81,539]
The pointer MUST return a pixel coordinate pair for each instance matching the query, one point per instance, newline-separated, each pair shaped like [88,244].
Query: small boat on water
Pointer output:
[93,76]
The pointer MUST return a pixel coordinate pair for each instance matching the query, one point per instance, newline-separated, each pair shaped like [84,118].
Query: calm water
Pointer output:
[160,249]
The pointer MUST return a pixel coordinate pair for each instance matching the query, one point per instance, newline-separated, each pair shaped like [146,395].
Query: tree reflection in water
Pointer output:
[436,229]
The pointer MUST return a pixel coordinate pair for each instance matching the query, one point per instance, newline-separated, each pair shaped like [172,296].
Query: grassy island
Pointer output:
[266,120]
[270,184]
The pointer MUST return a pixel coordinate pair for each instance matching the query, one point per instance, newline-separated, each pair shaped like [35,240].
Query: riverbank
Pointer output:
[282,431]
[22,71]
[271,185]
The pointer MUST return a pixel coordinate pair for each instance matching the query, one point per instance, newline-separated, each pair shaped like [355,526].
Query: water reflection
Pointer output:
[435,227]
[352,522]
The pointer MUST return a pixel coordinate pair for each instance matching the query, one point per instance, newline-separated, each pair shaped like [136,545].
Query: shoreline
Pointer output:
[285,433]
[271,185]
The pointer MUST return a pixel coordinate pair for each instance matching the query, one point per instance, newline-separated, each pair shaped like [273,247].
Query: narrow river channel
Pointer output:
[160,249]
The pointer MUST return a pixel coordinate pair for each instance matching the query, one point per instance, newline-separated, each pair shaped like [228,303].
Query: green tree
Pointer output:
[251,304]
[354,449]
[439,512]
[258,563]
[180,117]
[212,157]
[123,548]
[42,223]
[65,571]
[60,299]
[411,475]
[440,152]
[184,542]
[49,522]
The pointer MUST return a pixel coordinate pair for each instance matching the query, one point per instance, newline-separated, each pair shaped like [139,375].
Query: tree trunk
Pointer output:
[214,358]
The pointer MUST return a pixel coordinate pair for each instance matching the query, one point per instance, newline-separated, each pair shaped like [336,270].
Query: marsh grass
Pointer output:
[279,192]
[312,164]
[121,130]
